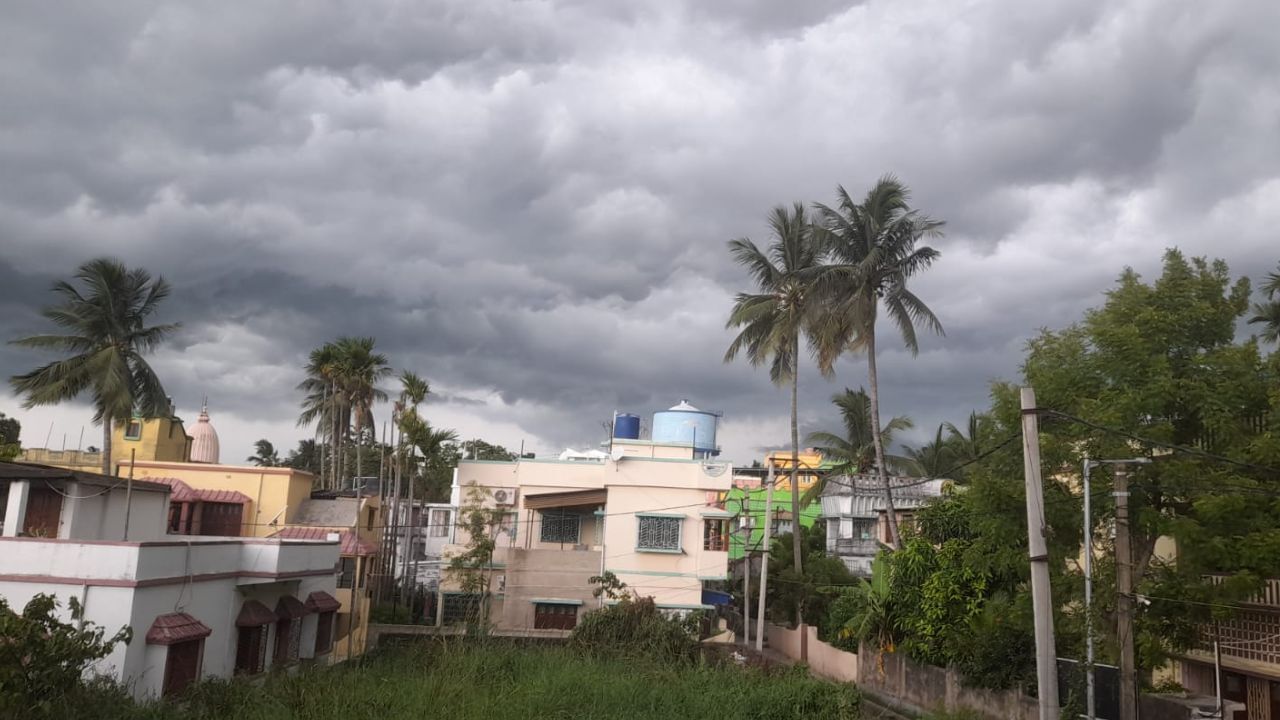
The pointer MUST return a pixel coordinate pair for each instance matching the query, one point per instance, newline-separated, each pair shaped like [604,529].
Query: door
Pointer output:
[182,667]
[44,511]
[554,616]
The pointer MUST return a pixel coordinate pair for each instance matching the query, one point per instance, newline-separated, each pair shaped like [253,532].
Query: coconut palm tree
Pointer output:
[322,404]
[772,320]
[1268,312]
[853,453]
[104,333]
[264,455]
[969,444]
[360,369]
[932,459]
[874,251]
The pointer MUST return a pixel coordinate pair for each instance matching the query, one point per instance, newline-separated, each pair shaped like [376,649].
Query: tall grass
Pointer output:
[491,680]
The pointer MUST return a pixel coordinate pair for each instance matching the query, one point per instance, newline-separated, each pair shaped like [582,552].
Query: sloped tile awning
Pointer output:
[290,607]
[254,614]
[350,543]
[321,601]
[576,498]
[174,628]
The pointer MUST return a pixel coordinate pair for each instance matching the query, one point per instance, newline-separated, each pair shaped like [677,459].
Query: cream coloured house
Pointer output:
[647,511]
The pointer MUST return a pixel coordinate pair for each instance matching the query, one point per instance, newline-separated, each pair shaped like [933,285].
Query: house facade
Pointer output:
[1250,649]
[855,512]
[648,512]
[198,606]
[278,502]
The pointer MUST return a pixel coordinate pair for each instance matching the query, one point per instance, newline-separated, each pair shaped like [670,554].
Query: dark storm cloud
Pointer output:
[528,202]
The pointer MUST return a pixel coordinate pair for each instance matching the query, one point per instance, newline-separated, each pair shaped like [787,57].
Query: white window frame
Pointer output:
[640,520]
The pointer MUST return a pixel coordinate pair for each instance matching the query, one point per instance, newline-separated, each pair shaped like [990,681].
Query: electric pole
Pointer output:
[764,557]
[1041,598]
[1124,597]
[745,515]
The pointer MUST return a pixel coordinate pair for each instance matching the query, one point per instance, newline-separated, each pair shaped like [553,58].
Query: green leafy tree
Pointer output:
[43,659]
[874,245]
[265,454]
[794,593]
[104,335]
[772,320]
[480,450]
[932,459]
[1268,312]
[10,434]
[968,444]
[864,613]
[472,568]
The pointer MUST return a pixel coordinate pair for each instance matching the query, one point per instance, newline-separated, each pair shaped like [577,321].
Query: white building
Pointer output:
[421,534]
[854,509]
[198,606]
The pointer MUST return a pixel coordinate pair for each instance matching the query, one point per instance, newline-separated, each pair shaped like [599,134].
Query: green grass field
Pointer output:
[465,680]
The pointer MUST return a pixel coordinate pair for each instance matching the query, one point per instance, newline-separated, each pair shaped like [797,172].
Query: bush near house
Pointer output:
[491,680]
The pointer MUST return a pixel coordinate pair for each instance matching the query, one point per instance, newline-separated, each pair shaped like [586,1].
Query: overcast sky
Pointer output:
[528,202]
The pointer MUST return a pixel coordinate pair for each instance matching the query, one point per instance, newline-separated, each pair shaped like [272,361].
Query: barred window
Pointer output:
[658,533]
[560,527]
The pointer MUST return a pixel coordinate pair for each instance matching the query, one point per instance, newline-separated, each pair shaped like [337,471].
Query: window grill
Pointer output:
[559,527]
[659,533]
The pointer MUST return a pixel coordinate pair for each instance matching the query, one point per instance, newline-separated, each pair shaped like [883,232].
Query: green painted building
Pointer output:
[755,503]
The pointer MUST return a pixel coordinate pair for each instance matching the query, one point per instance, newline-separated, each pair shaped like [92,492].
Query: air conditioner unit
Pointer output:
[502,497]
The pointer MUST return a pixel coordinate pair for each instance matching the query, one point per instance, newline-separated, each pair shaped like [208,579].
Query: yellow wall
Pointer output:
[276,493]
[67,459]
[809,460]
[161,439]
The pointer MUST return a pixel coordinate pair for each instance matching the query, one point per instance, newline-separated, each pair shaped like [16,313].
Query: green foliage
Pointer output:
[472,568]
[864,612]
[636,627]
[10,433]
[43,658]
[807,593]
[480,450]
[609,586]
[265,454]
[487,680]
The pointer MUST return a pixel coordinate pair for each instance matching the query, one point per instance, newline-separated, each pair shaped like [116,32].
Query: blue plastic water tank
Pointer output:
[626,426]
[686,424]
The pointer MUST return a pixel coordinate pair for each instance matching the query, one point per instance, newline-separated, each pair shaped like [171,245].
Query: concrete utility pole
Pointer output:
[1124,598]
[745,513]
[1041,598]
[764,557]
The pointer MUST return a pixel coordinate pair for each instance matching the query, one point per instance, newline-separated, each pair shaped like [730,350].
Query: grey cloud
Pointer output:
[528,202]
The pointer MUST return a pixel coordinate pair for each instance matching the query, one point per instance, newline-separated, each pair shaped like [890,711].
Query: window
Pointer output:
[554,616]
[715,535]
[658,533]
[324,632]
[460,607]
[182,666]
[368,524]
[347,571]
[438,524]
[560,527]
[133,430]
[288,639]
[781,526]
[251,650]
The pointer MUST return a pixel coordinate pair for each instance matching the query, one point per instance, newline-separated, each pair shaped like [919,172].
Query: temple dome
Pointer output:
[204,439]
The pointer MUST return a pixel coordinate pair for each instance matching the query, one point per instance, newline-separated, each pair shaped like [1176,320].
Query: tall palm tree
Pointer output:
[104,332]
[968,445]
[264,455]
[932,459]
[1268,312]
[360,369]
[853,453]
[322,403]
[772,319]
[874,251]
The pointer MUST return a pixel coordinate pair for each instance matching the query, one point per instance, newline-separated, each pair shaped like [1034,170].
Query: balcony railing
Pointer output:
[856,546]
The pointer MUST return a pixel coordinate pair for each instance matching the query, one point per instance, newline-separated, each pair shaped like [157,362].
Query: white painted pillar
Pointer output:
[15,514]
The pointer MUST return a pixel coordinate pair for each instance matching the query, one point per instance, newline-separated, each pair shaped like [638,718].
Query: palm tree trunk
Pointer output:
[795,453]
[106,446]
[874,394]
[795,487]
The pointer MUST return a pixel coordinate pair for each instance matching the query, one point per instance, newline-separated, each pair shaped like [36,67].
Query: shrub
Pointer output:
[635,627]
[43,659]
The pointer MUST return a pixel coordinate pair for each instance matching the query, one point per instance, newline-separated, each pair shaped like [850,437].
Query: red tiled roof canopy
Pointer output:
[184,493]
[174,628]
[290,607]
[351,545]
[321,601]
[254,614]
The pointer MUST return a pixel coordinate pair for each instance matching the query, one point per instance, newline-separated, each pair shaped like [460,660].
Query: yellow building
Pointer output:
[158,438]
[282,504]
[809,465]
